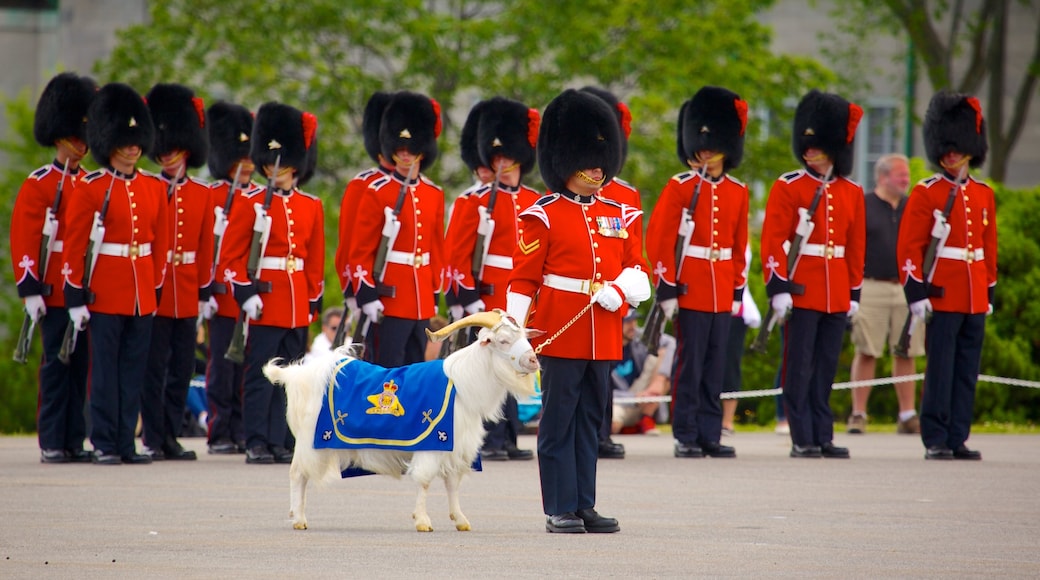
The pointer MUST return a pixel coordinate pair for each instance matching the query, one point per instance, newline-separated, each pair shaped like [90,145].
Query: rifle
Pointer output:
[97,237]
[236,351]
[940,231]
[50,229]
[656,320]
[801,233]
[220,222]
[391,228]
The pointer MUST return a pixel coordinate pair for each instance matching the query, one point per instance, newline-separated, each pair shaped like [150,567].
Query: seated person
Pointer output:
[330,318]
[640,374]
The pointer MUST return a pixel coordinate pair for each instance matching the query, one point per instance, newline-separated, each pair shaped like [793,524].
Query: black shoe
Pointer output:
[718,450]
[259,454]
[281,454]
[518,454]
[938,452]
[494,455]
[78,455]
[174,451]
[688,450]
[829,449]
[610,450]
[963,452]
[222,447]
[154,454]
[806,451]
[568,523]
[597,524]
[101,458]
[240,447]
[137,459]
[53,456]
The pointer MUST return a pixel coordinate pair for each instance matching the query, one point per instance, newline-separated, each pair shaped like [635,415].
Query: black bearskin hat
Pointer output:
[413,122]
[180,122]
[118,118]
[62,109]
[954,123]
[826,122]
[230,127]
[373,116]
[714,119]
[287,135]
[578,131]
[468,149]
[621,112]
[508,128]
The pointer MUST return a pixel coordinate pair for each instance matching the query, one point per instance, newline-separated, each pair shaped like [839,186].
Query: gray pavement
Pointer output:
[885,513]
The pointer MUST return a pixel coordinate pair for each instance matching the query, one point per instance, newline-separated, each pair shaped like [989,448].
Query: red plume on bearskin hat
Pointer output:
[118,117]
[954,123]
[826,122]
[578,131]
[370,123]
[714,119]
[285,132]
[180,122]
[62,109]
[410,121]
[468,149]
[621,112]
[505,127]
[230,128]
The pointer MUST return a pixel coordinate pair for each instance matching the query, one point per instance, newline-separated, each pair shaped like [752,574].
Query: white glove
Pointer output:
[853,308]
[35,307]
[782,303]
[734,308]
[475,306]
[352,308]
[635,284]
[208,308]
[921,308]
[989,310]
[372,309]
[517,305]
[669,307]
[79,316]
[456,311]
[253,307]
[608,298]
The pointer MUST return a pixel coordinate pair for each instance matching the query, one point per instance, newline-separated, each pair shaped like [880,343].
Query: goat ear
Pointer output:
[533,332]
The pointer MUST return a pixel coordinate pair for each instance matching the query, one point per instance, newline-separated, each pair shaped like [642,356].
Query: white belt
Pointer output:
[134,250]
[822,251]
[57,246]
[408,258]
[179,258]
[963,254]
[705,253]
[290,264]
[571,284]
[496,261]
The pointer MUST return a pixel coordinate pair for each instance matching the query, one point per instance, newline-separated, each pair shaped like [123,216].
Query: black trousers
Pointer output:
[954,346]
[396,342]
[263,410]
[171,363]
[574,399]
[223,385]
[812,344]
[505,430]
[61,421]
[700,358]
[118,355]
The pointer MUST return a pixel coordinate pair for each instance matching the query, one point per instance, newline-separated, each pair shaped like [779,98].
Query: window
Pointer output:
[876,136]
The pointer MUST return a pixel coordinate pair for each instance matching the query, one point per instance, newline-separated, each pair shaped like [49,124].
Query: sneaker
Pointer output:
[857,424]
[647,426]
[911,426]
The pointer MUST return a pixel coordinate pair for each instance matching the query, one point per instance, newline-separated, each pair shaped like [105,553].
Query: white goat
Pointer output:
[500,361]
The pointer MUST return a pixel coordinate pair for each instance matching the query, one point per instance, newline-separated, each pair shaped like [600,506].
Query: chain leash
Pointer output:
[563,329]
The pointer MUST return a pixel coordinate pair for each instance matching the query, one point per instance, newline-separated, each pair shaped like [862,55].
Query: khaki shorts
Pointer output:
[882,313]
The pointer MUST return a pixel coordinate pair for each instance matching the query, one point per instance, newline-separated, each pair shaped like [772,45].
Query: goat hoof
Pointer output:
[463,527]
[299,525]
[423,528]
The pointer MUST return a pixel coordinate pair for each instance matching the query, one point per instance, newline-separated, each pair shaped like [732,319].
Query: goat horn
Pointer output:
[485,319]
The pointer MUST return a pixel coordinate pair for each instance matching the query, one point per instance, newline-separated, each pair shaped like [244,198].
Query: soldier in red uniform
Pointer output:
[405,299]
[824,290]
[356,187]
[230,127]
[957,294]
[708,283]
[121,299]
[181,142]
[287,292]
[505,135]
[60,122]
[577,263]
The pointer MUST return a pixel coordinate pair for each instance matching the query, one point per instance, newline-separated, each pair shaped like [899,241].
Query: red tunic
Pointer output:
[462,239]
[417,273]
[348,209]
[189,266]
[135,229]
[30,209]
[713,268]
[967,268]
[833,276]
[297,235]
[560,236]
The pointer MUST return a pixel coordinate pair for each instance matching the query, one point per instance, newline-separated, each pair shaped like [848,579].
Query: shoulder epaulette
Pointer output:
[428,181]
[93,175]
[538,209]
[616,204]
[149,174]
[481,190]
[307,195]
[198,181]
[366,173]
[39,173]
[624,183]
[978,182]
[380,182]
[253,192]
[547,199]
[735,180]
[929,181]
[852,182]
[684,177]
[789,177]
